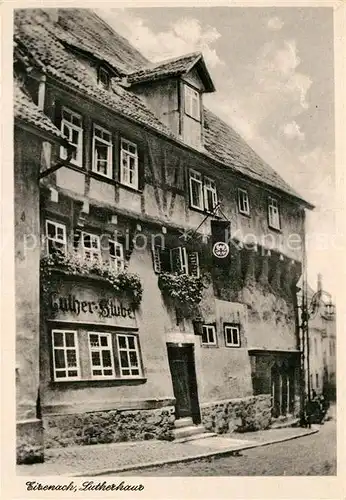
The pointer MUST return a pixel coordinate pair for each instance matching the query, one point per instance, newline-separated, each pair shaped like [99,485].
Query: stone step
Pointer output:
[183,422]
[292,422]
[187,431]
[203,435]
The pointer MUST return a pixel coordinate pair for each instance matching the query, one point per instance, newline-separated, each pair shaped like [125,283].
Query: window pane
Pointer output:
[133,358]
[108,372]
[125,372]
[94,340]
[60,374]
[131,342]
[123,359]
[97,372]
[59,358]
[122,342]
[106,358]
[135,372]
[51,230]
[204,336]
[196,193]
[95,357]
[104,340]
[87,240]
[71,358]
[58,339]
[69,339]
[72,373]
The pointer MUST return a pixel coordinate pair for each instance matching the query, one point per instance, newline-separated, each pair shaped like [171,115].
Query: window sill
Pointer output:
[248,216]
[209,346]
[98,382]
[204,212]
[275,229]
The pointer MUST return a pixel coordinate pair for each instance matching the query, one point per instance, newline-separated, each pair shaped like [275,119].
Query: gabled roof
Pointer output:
[47,43]
[177,66]
[27,111]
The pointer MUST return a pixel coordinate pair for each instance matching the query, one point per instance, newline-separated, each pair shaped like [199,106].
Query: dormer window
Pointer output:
[103,78]
[192,102]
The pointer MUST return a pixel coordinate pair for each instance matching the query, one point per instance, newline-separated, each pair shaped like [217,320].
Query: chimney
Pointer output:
[319,282]
[53,15]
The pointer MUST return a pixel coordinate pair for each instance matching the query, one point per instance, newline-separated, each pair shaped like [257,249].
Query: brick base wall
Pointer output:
[108,427]
[237,415]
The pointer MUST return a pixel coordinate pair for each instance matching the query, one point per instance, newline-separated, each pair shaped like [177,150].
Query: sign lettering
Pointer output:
[106,308]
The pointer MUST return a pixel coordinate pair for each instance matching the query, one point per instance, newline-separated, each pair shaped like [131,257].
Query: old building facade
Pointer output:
[145,316]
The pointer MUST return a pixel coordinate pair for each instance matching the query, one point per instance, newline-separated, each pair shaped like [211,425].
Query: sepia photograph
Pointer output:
[174,217]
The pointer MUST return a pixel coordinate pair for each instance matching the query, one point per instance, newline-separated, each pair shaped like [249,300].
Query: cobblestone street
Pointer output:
[307,456]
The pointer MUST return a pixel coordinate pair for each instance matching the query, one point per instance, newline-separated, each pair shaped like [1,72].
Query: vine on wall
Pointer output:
[122,282]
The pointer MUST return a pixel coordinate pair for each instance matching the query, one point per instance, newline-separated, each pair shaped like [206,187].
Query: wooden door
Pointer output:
[179,365]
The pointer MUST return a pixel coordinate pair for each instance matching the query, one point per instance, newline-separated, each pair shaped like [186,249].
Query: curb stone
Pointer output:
[146,465]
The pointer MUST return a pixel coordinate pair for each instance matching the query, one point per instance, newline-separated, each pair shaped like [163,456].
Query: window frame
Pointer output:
[84,249]
[117,244]
[99,349]
[213,190]
[135,156]
[201,190]
[192,95]
[48,239]
[137,350]
[208,343]
[105,72]
[273,204]
[232,326]
[71,126]
[76,348]
[241,193]
[96,139]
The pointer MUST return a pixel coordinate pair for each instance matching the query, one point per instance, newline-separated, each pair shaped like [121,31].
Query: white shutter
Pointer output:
[179,260]
[193,260]
[156,251]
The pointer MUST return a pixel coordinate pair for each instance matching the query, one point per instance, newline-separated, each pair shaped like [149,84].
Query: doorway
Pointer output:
[282,382]
[182,366]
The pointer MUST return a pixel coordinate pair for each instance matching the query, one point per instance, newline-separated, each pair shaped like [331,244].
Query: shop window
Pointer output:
[273,213]
[243,202]
[55,237]
[72,129]
[102,151]
[129,164]
[91,246]
[65,355]
[101,355]
[208,335]
[128,355]
[232,335]
[116,255]
[203,193]
[175,260]
[192,103]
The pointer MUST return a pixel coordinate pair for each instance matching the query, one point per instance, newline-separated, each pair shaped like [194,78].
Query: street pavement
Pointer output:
[313,455]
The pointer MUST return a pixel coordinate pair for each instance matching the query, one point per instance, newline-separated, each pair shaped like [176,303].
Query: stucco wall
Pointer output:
[27,254]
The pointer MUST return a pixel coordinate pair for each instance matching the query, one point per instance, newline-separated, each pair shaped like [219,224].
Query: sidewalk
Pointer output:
[114,458]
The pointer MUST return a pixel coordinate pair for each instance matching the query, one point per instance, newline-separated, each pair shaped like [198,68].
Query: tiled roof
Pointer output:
[27,111]
[46,42]
[225,144]
[172,67]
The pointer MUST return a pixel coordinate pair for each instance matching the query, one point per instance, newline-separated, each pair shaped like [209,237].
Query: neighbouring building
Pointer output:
[145,317]
[322,346]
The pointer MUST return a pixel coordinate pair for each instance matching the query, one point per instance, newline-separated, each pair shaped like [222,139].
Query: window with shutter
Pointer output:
[193,262]
[179,260]
[156,251]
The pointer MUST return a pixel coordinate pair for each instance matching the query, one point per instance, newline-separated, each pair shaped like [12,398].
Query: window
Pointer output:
[196,190]
[128,356]
[208,335]
[65,355]
[192,103]
[210,195]
[317,381]
[203,194]
[56,237]
[175,260]
[101,355]
[102,151]
[103,78]
[273,213]
[243,202]
[72,129]
[129,164]
[91,246]
[116,255]
[232,337]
